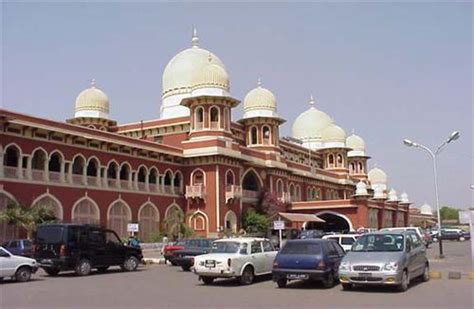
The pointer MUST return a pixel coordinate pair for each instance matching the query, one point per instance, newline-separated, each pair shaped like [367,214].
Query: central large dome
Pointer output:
[310,124]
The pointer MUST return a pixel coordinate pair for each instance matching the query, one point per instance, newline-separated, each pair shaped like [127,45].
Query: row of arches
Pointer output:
[211,117]
[80,170]
[262,135]
[357,167]
[335,160]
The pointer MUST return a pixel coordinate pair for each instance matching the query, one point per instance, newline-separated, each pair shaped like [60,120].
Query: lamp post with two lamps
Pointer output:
[454,136]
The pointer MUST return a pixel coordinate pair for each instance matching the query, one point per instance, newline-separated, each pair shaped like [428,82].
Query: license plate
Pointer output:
[297,276]
[46,261]
[365,275]
[210,263]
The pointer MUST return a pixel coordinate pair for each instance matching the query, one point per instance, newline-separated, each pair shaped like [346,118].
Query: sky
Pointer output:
[387,70]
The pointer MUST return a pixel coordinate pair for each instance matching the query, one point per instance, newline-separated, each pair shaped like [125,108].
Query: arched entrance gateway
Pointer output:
[335,222]
[251,186]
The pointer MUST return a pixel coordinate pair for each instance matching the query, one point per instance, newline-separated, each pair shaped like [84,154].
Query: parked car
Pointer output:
[81,248]
[311,234]
[169,249]
[345,240]
[192,248]
[17,267]
[385,258]
[21,247]
[452,234]
[308,259]
[417,230]
[242,258]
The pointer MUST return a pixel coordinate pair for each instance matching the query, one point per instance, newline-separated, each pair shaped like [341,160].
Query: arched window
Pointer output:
[229,178]
[361,168]
[298,193]
[340,160]
[198,178]
[253,136]
[12,156]
[7,231]
[292,192]
[119,216]
[266,135]
[54,164]
[352,168]
[199,223]
[148,220]
[280,187]
[199,118]
[251,185]
[168,181]
[112,174]
[178,182]
[39,160]
[153,179]
[309,196]
[214,117]
[92,167]
[331,160]
[230,220]
[141,176]
[78,165]
[52,205]
[86,212]
[124,176]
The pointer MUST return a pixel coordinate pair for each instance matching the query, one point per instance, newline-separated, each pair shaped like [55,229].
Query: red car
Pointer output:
[168,251]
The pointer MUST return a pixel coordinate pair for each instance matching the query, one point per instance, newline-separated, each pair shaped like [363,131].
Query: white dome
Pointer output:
[404,198]
[361,189]
[357,144]
[92,102]
[377,176]
[260,102]
[392,196]
[425,209]
[211,75]
[310,123]
[333,133]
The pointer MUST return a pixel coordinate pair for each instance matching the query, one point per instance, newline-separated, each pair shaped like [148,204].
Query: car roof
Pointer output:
[401,232]
[241,239]
[341,235]
[314,240]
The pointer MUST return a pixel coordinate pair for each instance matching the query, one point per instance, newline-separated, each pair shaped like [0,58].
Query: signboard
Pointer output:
[279,225]
[132,227]
[466,216]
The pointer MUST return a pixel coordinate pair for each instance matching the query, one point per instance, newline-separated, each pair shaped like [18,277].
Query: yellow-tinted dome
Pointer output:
[310,123]
[355,142]
[377,176]
[92,100]
[211,75]
[425,209]
[259,98]
[333,133]
[184,69]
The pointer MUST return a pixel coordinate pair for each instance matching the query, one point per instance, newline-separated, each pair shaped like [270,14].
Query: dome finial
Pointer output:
[259,82]
[353,131]
[93,83]
[311,100]
[209,57]
[195,38]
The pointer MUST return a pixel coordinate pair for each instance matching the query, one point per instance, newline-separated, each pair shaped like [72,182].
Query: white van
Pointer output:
[345,240]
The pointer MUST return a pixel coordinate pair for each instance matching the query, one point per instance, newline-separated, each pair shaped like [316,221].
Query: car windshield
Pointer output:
[301,248]
[49,234]
[225,247]
[379,243]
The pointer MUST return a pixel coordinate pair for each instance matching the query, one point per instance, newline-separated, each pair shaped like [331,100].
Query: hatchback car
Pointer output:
[308,259]
[385,258]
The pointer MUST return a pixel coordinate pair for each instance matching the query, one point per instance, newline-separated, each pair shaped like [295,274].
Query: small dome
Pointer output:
[377,176]
[333,133]
[92,102]
[310,123]
[260,102]
[357,144]
[361,188]
[392,196]
[425,209]
[404,198]
[211,75]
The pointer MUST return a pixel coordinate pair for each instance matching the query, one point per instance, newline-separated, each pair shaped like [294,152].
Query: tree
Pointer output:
[27,217]
[175,225]
[449,213]
[270,204]
[254,222]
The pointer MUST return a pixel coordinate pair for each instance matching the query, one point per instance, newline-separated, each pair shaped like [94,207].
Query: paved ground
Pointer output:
[163,286]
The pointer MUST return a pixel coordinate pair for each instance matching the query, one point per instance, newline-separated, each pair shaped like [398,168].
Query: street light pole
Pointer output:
[454,136]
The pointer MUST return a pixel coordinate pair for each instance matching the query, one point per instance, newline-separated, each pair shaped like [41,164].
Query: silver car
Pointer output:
[385,258]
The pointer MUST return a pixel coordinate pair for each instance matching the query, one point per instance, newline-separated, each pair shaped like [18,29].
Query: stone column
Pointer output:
[99,171]
[19,167]
[147,183]
[84,175]
[61,172]
[105,178]
[69,172]
[46,171]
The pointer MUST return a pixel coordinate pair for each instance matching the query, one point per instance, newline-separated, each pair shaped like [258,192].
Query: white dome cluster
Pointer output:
[92,102]
[357,144]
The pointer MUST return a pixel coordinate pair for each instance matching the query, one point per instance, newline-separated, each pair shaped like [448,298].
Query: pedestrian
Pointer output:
[133,242]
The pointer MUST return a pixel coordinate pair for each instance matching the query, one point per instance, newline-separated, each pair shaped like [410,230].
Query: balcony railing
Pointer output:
[37,175]
[214,125]
[10,171]
[153,187]
[77,179]
[55,176]
[142,186]
[195,191]
[250,194]
[284,197]
[124,184]
[199,125]
[233,192]
[168,189]
[112,183]
[92,180]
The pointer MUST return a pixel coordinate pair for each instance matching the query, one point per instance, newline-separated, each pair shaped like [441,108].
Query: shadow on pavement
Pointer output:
[233,282]
[12,281]
[109,272]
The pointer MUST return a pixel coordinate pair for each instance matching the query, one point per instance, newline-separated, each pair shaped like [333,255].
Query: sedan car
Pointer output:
[18,267]
[242,258]
[311,259]
[194,247]
[385,258]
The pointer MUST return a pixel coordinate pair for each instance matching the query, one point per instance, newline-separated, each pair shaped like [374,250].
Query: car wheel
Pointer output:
[462,238]
[207,280]
[23,274]
[83,267]
[247,276]
[102,269]
[403,286]
[426,273]
[435,239]
[329,281]
[52,271]
[281,283]
[130,263]
[186,268]
[346,286]
[174,263]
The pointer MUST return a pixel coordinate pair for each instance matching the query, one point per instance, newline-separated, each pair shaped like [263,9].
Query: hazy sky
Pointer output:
[389,71]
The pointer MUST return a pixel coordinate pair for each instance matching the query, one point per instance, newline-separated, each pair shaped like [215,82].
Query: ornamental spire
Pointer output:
[311,100]
[195,38]
[93,83]
[259,82]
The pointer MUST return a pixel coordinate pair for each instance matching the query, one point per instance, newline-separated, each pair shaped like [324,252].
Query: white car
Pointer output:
[18,267]
[415,229]
[242,258]
[345,240]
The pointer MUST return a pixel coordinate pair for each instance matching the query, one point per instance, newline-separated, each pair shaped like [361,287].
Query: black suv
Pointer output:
[80,248]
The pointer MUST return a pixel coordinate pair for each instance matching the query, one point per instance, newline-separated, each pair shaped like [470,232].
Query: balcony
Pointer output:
[195,191]
[10,172]
[77,179]
[233,192]
[284,197]
[55,176]
[214,125]
[168,189]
